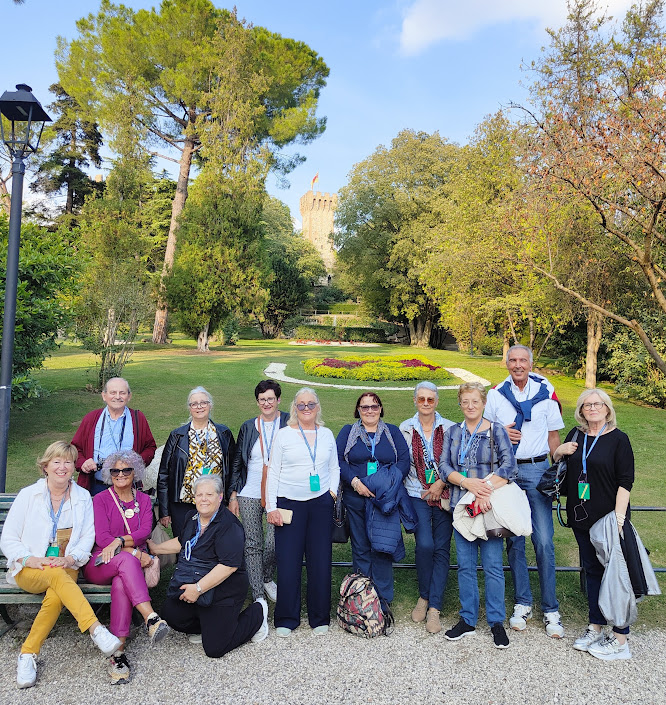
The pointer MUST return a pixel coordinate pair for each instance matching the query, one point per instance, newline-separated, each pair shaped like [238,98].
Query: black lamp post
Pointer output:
[22,120]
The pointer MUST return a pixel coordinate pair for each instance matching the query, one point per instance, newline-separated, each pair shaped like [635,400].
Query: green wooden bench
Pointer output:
[13,595]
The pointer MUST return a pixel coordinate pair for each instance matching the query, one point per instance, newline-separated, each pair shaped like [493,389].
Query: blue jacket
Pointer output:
[384,512]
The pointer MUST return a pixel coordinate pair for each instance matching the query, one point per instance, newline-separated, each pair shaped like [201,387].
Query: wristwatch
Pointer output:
[198,587]
[122,541]
[490,484]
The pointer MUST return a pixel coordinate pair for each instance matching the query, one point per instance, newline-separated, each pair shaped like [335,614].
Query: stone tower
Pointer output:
[317,212]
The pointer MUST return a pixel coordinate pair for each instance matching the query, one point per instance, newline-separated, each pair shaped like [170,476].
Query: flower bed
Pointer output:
[377,369]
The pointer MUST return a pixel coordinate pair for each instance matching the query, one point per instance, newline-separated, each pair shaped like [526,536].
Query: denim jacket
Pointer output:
[477,463]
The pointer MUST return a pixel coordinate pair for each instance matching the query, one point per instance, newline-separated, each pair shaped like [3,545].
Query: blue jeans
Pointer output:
[375,565]
[433,550]
[468,585]
[594,572]
[541,507]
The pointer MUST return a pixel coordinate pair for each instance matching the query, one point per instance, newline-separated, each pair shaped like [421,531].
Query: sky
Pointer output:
[428,65]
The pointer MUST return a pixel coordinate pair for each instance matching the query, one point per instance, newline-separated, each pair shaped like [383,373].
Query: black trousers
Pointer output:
[222,628]
[178,511]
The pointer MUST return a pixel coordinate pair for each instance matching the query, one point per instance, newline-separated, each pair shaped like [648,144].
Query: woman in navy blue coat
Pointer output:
[366,447]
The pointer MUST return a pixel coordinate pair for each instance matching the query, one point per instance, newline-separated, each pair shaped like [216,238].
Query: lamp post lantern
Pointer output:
[22,120]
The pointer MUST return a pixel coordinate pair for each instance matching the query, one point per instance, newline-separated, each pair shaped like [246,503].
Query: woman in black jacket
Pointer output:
[247,488]
[199,447]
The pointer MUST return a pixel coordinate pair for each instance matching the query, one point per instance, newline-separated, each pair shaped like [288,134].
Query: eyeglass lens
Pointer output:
[125,471]
[369,407]
[310,405]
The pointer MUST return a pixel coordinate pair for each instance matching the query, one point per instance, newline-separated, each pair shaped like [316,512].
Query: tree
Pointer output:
[163,67]
[598,134]
[74,144]
[382,243]
[48,269]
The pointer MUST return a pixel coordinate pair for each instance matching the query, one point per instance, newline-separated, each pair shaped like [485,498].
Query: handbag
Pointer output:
[151,573]
[493,527]
[553,479]
[160,535]
[340,533]
[191,572]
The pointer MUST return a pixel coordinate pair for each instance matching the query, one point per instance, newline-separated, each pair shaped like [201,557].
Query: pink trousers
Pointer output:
[128,587]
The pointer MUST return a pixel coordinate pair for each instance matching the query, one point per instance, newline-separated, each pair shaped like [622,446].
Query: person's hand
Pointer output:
[152,546]
[189,593]
[89,466]
[483,505]
[37,562]
[514,434]
[146,559]
[565,449]
[361,489]
[166,522]
[233,506]
[477,487]
[61,562]
[434,492]
[274,518]
[109,551]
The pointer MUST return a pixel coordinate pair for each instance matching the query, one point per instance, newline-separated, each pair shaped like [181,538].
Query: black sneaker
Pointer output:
[499,636]
[119,668]
[459,631]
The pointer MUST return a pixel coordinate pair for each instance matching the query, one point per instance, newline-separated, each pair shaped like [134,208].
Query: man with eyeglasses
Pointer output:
[104,431]
[247,486]
[527,406]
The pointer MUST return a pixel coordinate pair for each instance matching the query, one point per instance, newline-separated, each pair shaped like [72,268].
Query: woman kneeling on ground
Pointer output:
[46,538]
[210,603]
[123,522]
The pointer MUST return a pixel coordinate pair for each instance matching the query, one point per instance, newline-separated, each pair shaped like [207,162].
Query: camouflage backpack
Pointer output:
[360,610]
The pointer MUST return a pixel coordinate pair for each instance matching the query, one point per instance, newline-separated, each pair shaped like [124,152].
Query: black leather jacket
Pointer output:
[247,437]
[174,462]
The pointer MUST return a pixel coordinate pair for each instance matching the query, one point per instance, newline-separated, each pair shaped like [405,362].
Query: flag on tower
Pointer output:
[314,181]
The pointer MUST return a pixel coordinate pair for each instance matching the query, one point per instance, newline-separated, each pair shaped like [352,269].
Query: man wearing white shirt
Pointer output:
[526,405]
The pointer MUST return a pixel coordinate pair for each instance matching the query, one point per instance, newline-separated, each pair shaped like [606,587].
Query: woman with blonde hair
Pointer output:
[46,538]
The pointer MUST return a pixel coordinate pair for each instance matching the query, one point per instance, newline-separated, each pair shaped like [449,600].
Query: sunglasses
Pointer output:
[423,400]
[114,472]
[310,405]
[369,407]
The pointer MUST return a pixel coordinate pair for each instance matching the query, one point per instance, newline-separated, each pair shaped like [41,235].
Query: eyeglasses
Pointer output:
[267,402]
[425,400]
[369,407]
[594,405]
[310,405]
[114,472]
[469,404]
[198,404]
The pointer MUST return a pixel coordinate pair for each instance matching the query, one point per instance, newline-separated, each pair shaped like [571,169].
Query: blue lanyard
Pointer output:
[189,545]
[586,452]
[55,518]
[269,446]
[428,446]
[312,455]
[462,454]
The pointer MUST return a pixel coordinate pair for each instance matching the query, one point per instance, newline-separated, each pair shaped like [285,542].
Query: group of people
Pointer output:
[214,492]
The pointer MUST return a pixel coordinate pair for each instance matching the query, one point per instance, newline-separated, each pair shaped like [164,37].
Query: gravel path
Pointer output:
[409,666]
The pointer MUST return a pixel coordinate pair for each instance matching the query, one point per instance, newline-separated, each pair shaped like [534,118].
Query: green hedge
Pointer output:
[351,334]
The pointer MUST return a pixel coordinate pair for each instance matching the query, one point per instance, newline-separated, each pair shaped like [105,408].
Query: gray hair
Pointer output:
[119,379]
[426,385]
[130,458]
[520,347]
[611,418]
[293,416]
[200,390]
[214,479]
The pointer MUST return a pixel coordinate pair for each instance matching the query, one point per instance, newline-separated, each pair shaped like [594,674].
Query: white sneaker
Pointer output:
[271,590]
[610,649]
[262,632]
[26,670]
[194,638]
[553,623]
[106,642]
[590,637]
[518,620]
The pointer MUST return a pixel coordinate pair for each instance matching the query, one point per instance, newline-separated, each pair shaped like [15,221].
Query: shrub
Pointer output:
[351,334]
[377,369]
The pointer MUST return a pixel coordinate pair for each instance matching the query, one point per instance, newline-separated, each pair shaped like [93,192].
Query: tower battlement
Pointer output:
[318,212]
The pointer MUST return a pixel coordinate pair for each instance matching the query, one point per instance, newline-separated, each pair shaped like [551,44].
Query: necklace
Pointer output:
[129,512]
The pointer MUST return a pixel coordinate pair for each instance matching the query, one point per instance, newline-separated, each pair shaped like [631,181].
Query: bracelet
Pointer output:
[462,487]
[355,480]
[198,587]
[135,551]
[122,541]
[25,560]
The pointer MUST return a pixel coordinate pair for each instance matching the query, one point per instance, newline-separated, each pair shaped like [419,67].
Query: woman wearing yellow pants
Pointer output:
[46,538]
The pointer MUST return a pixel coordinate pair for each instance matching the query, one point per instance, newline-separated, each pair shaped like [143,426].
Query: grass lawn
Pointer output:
[161,378]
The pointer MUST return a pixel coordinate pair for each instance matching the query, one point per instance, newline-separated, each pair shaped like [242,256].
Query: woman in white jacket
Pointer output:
[47,537]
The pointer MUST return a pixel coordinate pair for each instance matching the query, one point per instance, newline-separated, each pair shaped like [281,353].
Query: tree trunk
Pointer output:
[203,339]
[530,318]
[5,198]
[161,314]
[511,326]
[505,346]
[69,203]
[595,323]
[420,329]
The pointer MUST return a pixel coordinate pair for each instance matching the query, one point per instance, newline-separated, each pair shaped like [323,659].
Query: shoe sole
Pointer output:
[26,685]
[159,635]
[555,636]
[458,638]
[581,647]
[610,657]
[119,681]
[260,635]
[501,646]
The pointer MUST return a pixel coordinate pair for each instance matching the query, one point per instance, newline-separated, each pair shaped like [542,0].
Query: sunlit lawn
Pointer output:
[161,378]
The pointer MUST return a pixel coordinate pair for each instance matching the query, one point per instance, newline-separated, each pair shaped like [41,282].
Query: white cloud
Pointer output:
[426,22]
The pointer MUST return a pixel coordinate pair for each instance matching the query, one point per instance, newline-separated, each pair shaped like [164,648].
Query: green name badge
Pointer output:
[205,471]
[463,472]
[372,467]
[583,490]
[53,551]
[430,475]
[314,483]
